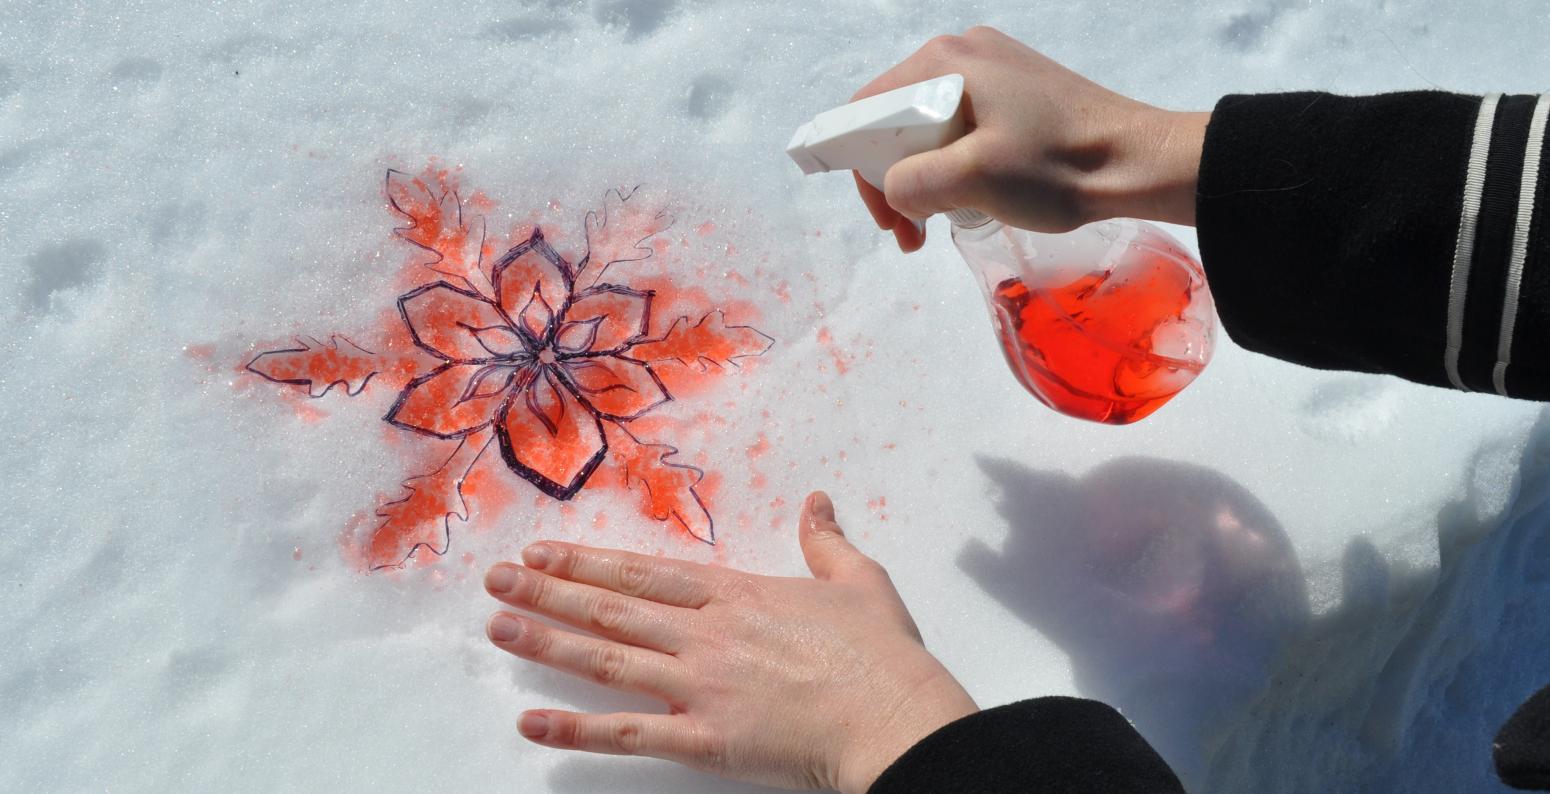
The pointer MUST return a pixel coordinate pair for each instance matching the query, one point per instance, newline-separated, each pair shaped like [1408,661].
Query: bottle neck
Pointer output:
[966,218]
[971,234]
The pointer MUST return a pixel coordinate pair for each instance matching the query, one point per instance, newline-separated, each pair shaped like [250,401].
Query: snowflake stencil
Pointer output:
[544,359]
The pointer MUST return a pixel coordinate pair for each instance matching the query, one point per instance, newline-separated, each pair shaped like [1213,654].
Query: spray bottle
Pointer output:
[1105,323]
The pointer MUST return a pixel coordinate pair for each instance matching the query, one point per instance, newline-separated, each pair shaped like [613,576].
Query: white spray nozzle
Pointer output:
[870,135]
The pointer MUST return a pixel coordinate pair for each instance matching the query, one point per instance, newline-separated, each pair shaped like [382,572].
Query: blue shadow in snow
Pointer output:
[1170,586]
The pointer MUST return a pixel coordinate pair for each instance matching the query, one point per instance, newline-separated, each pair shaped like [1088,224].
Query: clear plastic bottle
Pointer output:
[1106,323]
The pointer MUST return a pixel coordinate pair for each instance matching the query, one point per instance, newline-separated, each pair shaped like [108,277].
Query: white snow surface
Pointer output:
[1289,580]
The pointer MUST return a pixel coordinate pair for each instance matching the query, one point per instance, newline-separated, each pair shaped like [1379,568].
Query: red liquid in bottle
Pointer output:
[1090,348]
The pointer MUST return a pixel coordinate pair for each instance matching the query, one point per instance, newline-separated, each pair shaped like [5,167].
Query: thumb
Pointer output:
[935,181]
[824,546]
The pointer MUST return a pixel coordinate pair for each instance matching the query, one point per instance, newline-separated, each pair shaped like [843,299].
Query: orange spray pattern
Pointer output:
[517,384]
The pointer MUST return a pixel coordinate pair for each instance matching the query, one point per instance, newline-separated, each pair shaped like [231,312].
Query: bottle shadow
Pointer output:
[1169,585]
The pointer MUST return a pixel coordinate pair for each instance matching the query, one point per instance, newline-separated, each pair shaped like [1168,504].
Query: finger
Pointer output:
[935,181]
[602,612]
[673,737]
[622,667]
[910,234]
[666,581]
[875,203]
[829,555]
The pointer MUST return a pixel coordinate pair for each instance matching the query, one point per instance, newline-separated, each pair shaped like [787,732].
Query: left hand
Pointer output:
[792,682]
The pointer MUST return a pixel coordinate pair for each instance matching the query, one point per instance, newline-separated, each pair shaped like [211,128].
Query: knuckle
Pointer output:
[634,577]
[981,32]
[626,737]
[539,590]
[608,665]
[739,588]
[826,530]
[562,559]
[537,642]
[565,730]
[872,568]
[945,46]
[607,613]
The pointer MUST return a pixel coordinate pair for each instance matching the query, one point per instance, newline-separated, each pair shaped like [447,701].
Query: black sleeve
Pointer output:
[1055,744]
[1522,747]
[1401,233]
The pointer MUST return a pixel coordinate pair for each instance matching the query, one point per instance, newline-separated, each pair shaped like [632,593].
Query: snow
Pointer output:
[1288,579]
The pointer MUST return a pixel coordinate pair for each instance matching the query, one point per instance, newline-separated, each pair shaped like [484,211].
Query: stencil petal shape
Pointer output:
[319,366]
[618,388]
[549,437]
[533,283]
[667,487]
[438,226]
[452,400]
[604,319]
[711,341]
[618,233]
[420,519]
[448,322]
[537,317]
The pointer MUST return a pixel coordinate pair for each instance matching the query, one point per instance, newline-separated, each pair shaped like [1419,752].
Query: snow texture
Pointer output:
[1289,580]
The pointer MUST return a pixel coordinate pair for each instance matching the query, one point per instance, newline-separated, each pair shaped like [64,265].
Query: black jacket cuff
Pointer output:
[1328,225]
[1060,744]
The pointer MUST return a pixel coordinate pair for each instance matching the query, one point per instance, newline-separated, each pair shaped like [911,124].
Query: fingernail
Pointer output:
[920,227]
[501,578]
[536,556]
[820,506]
[533,725]
[505,628]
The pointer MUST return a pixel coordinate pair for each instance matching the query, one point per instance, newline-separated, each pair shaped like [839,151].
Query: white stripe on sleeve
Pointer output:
[1526,189]
[1463,251]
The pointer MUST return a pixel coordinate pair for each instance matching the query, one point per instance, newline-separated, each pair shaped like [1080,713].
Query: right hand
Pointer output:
[1048,149]
[798,682]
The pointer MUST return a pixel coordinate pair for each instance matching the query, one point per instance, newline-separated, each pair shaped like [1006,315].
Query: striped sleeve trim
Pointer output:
[1493,253]
[1527,188]
[1463,252]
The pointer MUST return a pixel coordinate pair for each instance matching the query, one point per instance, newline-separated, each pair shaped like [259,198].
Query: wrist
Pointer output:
[1153,171]
[866,757]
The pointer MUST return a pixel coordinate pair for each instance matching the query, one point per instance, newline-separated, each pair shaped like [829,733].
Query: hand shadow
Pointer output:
[1169,585]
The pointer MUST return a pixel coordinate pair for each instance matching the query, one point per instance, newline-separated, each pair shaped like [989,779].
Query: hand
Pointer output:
[792,682]
[1047,150]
